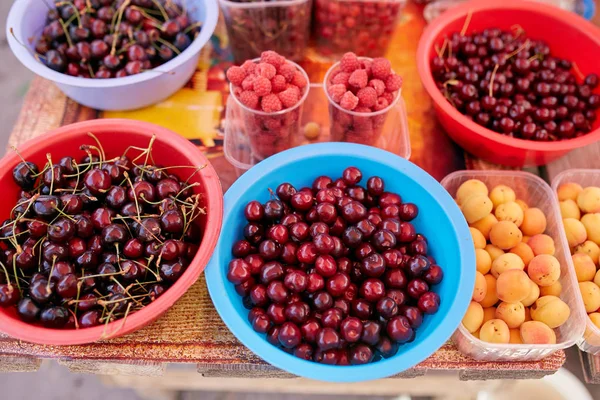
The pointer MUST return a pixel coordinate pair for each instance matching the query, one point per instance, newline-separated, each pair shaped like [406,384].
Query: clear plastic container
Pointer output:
[362,26]
[536,193]
[238,152]
[253,27]
[590,341]
[585,8]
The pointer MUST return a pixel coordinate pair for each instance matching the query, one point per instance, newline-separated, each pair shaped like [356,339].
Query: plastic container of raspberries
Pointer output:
[362,26]
[395,137]
[253,27]
[536,193]
[590,341]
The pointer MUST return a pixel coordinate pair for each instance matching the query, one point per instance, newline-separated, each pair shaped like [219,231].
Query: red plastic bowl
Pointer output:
[116,135]
[568,35]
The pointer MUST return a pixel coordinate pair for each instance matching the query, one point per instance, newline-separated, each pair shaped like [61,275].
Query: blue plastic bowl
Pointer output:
[439,219]
[27,18]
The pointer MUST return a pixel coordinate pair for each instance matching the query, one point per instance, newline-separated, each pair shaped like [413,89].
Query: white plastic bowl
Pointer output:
[27,18]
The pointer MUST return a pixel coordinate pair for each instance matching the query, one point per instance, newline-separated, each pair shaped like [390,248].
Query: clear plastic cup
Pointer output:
[536,193]
[272,132]
[590,342]
[254,27]
[355,127]
[364,27]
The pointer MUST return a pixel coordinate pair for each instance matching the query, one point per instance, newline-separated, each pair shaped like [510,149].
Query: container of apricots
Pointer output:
[525,302]
[578,192]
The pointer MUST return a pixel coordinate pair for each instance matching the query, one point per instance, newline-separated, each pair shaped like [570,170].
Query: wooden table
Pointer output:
[192,332]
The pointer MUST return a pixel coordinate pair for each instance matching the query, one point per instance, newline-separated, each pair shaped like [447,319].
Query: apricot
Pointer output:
[509,212]
[522,204]
[553,290]
[515,336]
[569,209]
[595,318]
[493,251]
[591,222]
[524,252]
[511,313]
[590,292]
[505,262]
[495,331]
[597,278]
[544,269]
[527,314]
[550,310]
[476,334]
[491,297]
[575,231]
[476,207]
[478,239]
[470,188]
[535,332]
[485,224]
[588,199]
[534,222]
[513,286]
[533,295]
[569,191]
[505,235]
[542,244]
[473,318]
[480,289]
[590,248]
[502,194]
[483,261]
[489,313]
[585,269]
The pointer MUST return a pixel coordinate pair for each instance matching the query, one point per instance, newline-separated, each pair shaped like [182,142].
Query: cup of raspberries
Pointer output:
[270,92]
[361,92]
[365,27]
[282,26]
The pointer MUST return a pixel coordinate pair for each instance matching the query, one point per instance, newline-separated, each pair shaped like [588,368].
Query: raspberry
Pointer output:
[266,70]
[381,68]
[349,101]
[299,79]
[288,71]
[249,99]
[362,109]
[336,92]
[248,83]
[236,75]
[358,78]
[378,85]
[366,65]
[367,97]
[262,86]
[237,91]
[388,96]
[249,67]
[393,83]
[278,83]
[271,103]
[341,78]
[381,103]
[272,124]
[349,62]
[271,57]
[289,97]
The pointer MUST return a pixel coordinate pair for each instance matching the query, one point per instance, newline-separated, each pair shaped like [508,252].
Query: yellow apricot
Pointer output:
[542,244]
[550,310]
[491,297]
[502,194]
[511,313]
[495,331]
[569,209]
[524,252]
[591,222]
[533,295]
[470,188]
[585,269]
[591,249]
[483,261]
[588,199]
[473,318]
[575,231]
[535,332]
[590,292]
[505,235]
[476,207]
[478,239]
[544,270]
[569,191]
[513,286]
[485,224]
[553,290]
[505,262]
[534,221]
[480,289]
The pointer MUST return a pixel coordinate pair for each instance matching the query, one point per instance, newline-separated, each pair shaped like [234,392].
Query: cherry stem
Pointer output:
[33,53]
[75,11]
[463,31]
[491,88]
[74,317]
[116,27]
[169,45]
[99,148]
[161,9]
[51,271]
[5,272]
[49,157]
[192,26]
[66,31]
[580,74]
[517,51]
[15,272]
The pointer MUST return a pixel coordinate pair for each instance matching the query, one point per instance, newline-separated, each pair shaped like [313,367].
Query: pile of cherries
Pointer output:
[513,85]
[92,241]
[335,273]
[113,38]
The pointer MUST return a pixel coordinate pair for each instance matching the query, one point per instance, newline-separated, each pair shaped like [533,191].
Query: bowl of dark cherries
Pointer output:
[112,55]
[341,262]
[513,82]
[103,226]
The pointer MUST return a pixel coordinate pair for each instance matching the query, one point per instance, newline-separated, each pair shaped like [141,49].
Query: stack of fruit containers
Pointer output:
[536,193]
[364,27]
[590,340]
[254,27]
